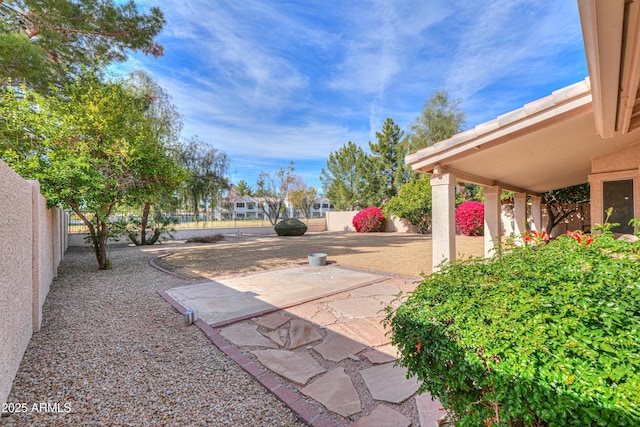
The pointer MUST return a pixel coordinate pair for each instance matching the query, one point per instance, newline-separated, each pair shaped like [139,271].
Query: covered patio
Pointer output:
[586,132]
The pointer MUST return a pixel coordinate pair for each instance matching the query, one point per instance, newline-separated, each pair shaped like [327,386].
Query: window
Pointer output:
[251,206]
[325,206]
[240,205]
[240,216]
[316,206]
[619,196]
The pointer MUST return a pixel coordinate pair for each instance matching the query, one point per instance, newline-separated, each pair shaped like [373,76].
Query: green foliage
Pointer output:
[71,33]
[303,199]
[350,179]
[544,335]
[440,119]
[388,154]
[413,203]
[561,203]
[158,227]
[290,227]
[85,146]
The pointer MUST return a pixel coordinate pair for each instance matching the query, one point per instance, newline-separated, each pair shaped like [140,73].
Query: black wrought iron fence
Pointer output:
[189,221]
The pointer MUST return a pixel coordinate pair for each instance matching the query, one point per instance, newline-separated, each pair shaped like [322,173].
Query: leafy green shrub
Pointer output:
[542,335]
[369,220]
[413,202]
[470,218]
[290,227]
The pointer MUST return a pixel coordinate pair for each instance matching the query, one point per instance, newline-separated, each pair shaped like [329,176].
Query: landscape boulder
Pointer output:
[291,227]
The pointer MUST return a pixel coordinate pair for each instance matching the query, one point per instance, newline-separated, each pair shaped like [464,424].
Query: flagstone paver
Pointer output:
[274,320]
[336,392]
[383,354]
[336,347]
[302,333]
[389,383]
[279,336]
[383,416]
[245,334]
[358,307]
[324,318]
[362,331]
[296,367]
[428,409]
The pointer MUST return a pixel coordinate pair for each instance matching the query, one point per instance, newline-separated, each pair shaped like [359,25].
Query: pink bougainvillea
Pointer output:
[470,218]
[368,220]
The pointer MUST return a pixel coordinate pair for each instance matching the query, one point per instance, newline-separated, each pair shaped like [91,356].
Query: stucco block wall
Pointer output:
[623,164]
[342,221]
[16,292]
[32,242]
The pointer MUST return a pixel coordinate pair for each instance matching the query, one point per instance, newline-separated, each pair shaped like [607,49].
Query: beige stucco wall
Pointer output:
[342,221]
[623,164]
[32,241]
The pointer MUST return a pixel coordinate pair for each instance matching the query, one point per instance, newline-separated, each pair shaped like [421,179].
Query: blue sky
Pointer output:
[269,81]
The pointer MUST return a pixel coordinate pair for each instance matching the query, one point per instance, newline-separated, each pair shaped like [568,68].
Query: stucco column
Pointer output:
[536,213]
[443,219]
[520,215]
[492,223]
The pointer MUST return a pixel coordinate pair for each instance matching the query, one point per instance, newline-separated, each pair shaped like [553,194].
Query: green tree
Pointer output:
[158,171]
[350,179]
[562,203]
[413,203]
[388,154]
[243,188]
[83,146]
[43,40]
[272,191]
[303,199]
[206,169]
[441,118]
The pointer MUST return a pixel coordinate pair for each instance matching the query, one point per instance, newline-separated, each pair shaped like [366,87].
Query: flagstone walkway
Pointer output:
[329,359]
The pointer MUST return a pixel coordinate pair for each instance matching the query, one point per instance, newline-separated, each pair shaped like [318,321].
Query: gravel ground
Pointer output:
[111,352]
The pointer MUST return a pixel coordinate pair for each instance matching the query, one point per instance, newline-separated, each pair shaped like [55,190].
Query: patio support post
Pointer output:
[443,221]
[536,213]
[520,215]
[492,223]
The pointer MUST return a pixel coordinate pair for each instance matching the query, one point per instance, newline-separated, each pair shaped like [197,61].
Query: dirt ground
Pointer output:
[398,253]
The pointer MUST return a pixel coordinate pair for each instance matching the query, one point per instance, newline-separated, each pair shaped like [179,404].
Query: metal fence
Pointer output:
[190,221]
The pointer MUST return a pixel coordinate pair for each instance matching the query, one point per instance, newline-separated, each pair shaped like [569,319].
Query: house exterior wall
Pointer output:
[623,164]
[31,245]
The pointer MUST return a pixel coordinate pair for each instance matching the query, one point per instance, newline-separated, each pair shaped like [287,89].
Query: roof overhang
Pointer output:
[549,143]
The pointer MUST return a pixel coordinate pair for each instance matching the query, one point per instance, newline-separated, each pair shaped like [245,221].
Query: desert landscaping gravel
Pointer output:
[112,352]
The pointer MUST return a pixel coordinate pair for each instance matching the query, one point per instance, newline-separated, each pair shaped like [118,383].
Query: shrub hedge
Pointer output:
[544,335]
[369,220]
[470,218]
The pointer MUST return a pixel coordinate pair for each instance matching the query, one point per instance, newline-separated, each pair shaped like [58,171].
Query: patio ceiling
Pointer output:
[549,143]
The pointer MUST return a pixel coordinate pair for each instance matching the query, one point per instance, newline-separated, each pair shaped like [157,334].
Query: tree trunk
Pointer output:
[101,252]
[144,222]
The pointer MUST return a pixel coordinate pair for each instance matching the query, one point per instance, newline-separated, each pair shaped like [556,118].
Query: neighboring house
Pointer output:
[586,132]
[236,206]
[318,210]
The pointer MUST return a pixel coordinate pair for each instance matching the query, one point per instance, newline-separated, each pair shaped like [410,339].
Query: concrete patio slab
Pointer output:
[336,347]
[247,335]
[389,383]
[296,367]
[228,300]
[336,392]
[383,416]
